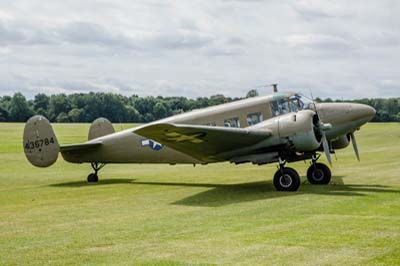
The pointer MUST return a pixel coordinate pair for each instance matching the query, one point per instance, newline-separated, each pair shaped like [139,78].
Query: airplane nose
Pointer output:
[363,111]
[368,111]
[371,112]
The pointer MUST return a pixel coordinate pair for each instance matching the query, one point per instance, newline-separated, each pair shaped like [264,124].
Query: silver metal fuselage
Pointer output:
[127,146]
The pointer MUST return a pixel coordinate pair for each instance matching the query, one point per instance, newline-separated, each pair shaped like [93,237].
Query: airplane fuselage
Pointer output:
[262,113]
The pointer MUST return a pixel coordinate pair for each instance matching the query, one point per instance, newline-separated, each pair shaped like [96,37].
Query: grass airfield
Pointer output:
[203,215]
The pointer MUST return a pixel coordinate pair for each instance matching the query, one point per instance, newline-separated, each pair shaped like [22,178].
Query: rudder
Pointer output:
[40,143]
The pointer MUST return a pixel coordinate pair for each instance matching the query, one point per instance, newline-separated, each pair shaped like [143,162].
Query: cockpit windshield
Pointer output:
[287,105]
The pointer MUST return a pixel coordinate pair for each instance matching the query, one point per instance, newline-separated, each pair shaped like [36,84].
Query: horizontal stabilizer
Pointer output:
[202,142]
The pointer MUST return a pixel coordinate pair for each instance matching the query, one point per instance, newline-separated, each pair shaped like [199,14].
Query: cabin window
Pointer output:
[211,124]
[232,122]
[254,118]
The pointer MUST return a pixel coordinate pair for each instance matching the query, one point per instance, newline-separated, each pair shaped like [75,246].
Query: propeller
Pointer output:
[322,127]
[355,147]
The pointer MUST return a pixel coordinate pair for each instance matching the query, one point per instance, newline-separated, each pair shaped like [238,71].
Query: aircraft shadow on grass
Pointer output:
[100,183]
[225,194]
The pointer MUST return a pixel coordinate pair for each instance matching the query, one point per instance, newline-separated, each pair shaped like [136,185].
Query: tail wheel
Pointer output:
[92,178]
[286,179]
[319,174]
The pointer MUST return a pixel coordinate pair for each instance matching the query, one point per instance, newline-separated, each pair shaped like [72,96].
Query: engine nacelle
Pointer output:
[342,142]
[301,130]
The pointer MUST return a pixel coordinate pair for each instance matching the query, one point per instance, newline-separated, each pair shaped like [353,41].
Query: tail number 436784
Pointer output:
[39,143]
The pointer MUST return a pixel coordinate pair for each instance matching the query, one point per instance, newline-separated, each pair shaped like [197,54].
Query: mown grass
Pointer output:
[215,214]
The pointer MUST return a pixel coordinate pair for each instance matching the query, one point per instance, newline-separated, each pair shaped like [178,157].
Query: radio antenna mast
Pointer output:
[275,87]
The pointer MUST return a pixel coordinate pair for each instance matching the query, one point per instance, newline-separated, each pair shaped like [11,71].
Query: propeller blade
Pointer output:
[355,147]
[326,148]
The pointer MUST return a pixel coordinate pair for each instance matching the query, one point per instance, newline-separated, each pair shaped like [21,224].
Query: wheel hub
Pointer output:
[318,174]
[285,181]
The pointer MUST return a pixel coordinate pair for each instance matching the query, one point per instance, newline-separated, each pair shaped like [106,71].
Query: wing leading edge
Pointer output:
[206,143]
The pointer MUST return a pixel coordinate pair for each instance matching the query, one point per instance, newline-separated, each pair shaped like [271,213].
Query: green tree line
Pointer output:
[86,107]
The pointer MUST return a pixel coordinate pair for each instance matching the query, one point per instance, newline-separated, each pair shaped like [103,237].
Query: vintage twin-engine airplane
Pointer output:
[265,129]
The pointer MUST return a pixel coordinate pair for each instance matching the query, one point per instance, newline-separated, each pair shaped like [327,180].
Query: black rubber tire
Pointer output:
[92,178]
[319,175]
[291,182]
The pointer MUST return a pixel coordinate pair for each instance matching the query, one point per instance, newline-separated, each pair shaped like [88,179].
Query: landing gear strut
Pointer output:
[318,173]
[93,177]
[286,178]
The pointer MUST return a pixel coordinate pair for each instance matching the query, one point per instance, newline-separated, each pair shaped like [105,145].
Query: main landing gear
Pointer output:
[318,173]
[93,177]
[287,179]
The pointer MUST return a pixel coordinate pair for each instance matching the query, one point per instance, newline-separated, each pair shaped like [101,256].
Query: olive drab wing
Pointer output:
[206,143]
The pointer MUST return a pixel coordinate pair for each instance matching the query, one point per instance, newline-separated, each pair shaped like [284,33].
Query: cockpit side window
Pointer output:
[293,106]
[296,104]
[284,106]
[280,107]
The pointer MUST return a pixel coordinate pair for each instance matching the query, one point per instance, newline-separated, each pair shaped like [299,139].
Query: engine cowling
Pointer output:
[342,142]
[301,130]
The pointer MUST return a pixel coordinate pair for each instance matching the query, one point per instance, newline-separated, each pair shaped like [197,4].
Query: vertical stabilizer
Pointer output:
[99,128]
[40,143]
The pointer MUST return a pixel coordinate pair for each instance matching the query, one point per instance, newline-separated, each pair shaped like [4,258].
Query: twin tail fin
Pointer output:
[40,143]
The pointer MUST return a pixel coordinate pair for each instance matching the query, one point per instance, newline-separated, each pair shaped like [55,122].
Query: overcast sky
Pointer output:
[340,48]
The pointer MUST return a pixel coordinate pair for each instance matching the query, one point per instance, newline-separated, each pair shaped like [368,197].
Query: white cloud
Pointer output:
[199,48]
[318,41]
